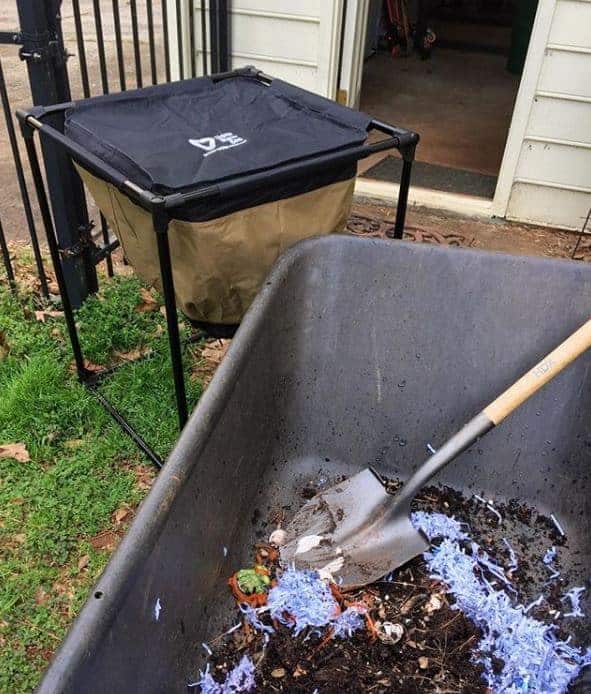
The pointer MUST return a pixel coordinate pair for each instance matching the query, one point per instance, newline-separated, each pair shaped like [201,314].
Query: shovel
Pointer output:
[356,532]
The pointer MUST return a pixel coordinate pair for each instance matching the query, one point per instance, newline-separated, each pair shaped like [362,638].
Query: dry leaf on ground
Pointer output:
[208,359]
[18,451]
[132,355]
[83,562]
[144,476]
[4,346]
[215,351]
[121,514]
[41,596]
[107,539]
[46,313]
[88,365]
[148,302]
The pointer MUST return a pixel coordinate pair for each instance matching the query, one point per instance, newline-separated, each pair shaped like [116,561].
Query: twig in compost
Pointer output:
[463,645]
[451,621]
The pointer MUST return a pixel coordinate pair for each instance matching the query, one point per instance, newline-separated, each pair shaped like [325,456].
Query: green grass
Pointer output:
[82,467]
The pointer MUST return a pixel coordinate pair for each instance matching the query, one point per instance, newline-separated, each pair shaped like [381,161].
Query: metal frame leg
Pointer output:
[174,340]
[86,377]
[402,198]
[55,255]
[6,259]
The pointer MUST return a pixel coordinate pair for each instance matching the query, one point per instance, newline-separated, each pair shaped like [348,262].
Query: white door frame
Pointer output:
[351,72]
[523,104]
[354,36]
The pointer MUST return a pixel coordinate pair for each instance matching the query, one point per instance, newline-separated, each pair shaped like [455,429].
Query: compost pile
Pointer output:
[490,608]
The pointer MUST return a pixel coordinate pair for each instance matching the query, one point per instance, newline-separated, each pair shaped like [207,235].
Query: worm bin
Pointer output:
[235,167]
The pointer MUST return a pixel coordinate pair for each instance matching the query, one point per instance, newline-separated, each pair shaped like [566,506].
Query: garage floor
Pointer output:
[460,102]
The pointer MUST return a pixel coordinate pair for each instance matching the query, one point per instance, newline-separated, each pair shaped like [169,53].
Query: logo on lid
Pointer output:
[217,143]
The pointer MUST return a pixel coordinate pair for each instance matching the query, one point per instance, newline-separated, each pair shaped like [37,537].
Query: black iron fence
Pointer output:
[53,51]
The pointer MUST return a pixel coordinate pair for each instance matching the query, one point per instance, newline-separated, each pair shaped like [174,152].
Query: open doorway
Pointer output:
[449,69]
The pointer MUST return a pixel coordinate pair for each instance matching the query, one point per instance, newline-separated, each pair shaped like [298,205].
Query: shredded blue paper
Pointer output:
[239,679]
[302,599]
[438,525]
[513,564]
[574,596]
[549,556]
[348,622]
[252,617]
[534,659]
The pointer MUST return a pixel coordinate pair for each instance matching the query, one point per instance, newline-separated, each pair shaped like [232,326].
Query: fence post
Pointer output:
[220,35]
[44,53]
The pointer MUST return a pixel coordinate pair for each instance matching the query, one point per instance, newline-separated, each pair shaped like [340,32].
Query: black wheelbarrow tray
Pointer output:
[310,386]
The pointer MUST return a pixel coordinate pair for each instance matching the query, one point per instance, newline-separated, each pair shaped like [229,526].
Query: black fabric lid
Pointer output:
[178,136]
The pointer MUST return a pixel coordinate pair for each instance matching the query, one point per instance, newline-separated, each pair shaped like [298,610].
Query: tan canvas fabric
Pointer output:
[219,265]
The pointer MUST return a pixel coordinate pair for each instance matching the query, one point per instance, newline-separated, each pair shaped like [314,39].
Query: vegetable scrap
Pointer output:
[460,618]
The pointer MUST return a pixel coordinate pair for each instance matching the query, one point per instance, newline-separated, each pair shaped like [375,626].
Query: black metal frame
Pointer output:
[161,206]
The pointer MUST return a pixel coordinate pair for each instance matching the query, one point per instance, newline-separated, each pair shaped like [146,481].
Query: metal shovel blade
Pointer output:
[353,533]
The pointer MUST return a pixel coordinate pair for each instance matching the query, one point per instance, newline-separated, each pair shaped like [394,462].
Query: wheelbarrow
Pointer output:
[355,353]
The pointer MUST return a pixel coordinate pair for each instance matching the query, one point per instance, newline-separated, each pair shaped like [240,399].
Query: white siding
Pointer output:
[552,177]
[296,41]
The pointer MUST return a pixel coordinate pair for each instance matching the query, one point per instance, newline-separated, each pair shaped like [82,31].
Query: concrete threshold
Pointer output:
[458,204]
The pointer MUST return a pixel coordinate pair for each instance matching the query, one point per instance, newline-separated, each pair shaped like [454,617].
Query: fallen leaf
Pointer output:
[42,315]
[107,539]
[4,346]
[144,476]
[215,351]
[148,303]
[60,587]
[88,365]
[133,355]
[423,662]
[41,596]
[121,514]
[83,562]
[17,451]
[278,672]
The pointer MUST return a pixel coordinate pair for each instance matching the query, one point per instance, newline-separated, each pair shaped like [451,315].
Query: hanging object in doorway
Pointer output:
[398,34]
[401,35]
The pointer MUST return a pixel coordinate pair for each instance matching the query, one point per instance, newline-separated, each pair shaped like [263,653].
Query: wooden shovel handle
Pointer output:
[541,373]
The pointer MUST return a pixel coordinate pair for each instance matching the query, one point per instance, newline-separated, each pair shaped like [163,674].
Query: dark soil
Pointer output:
[434,651]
